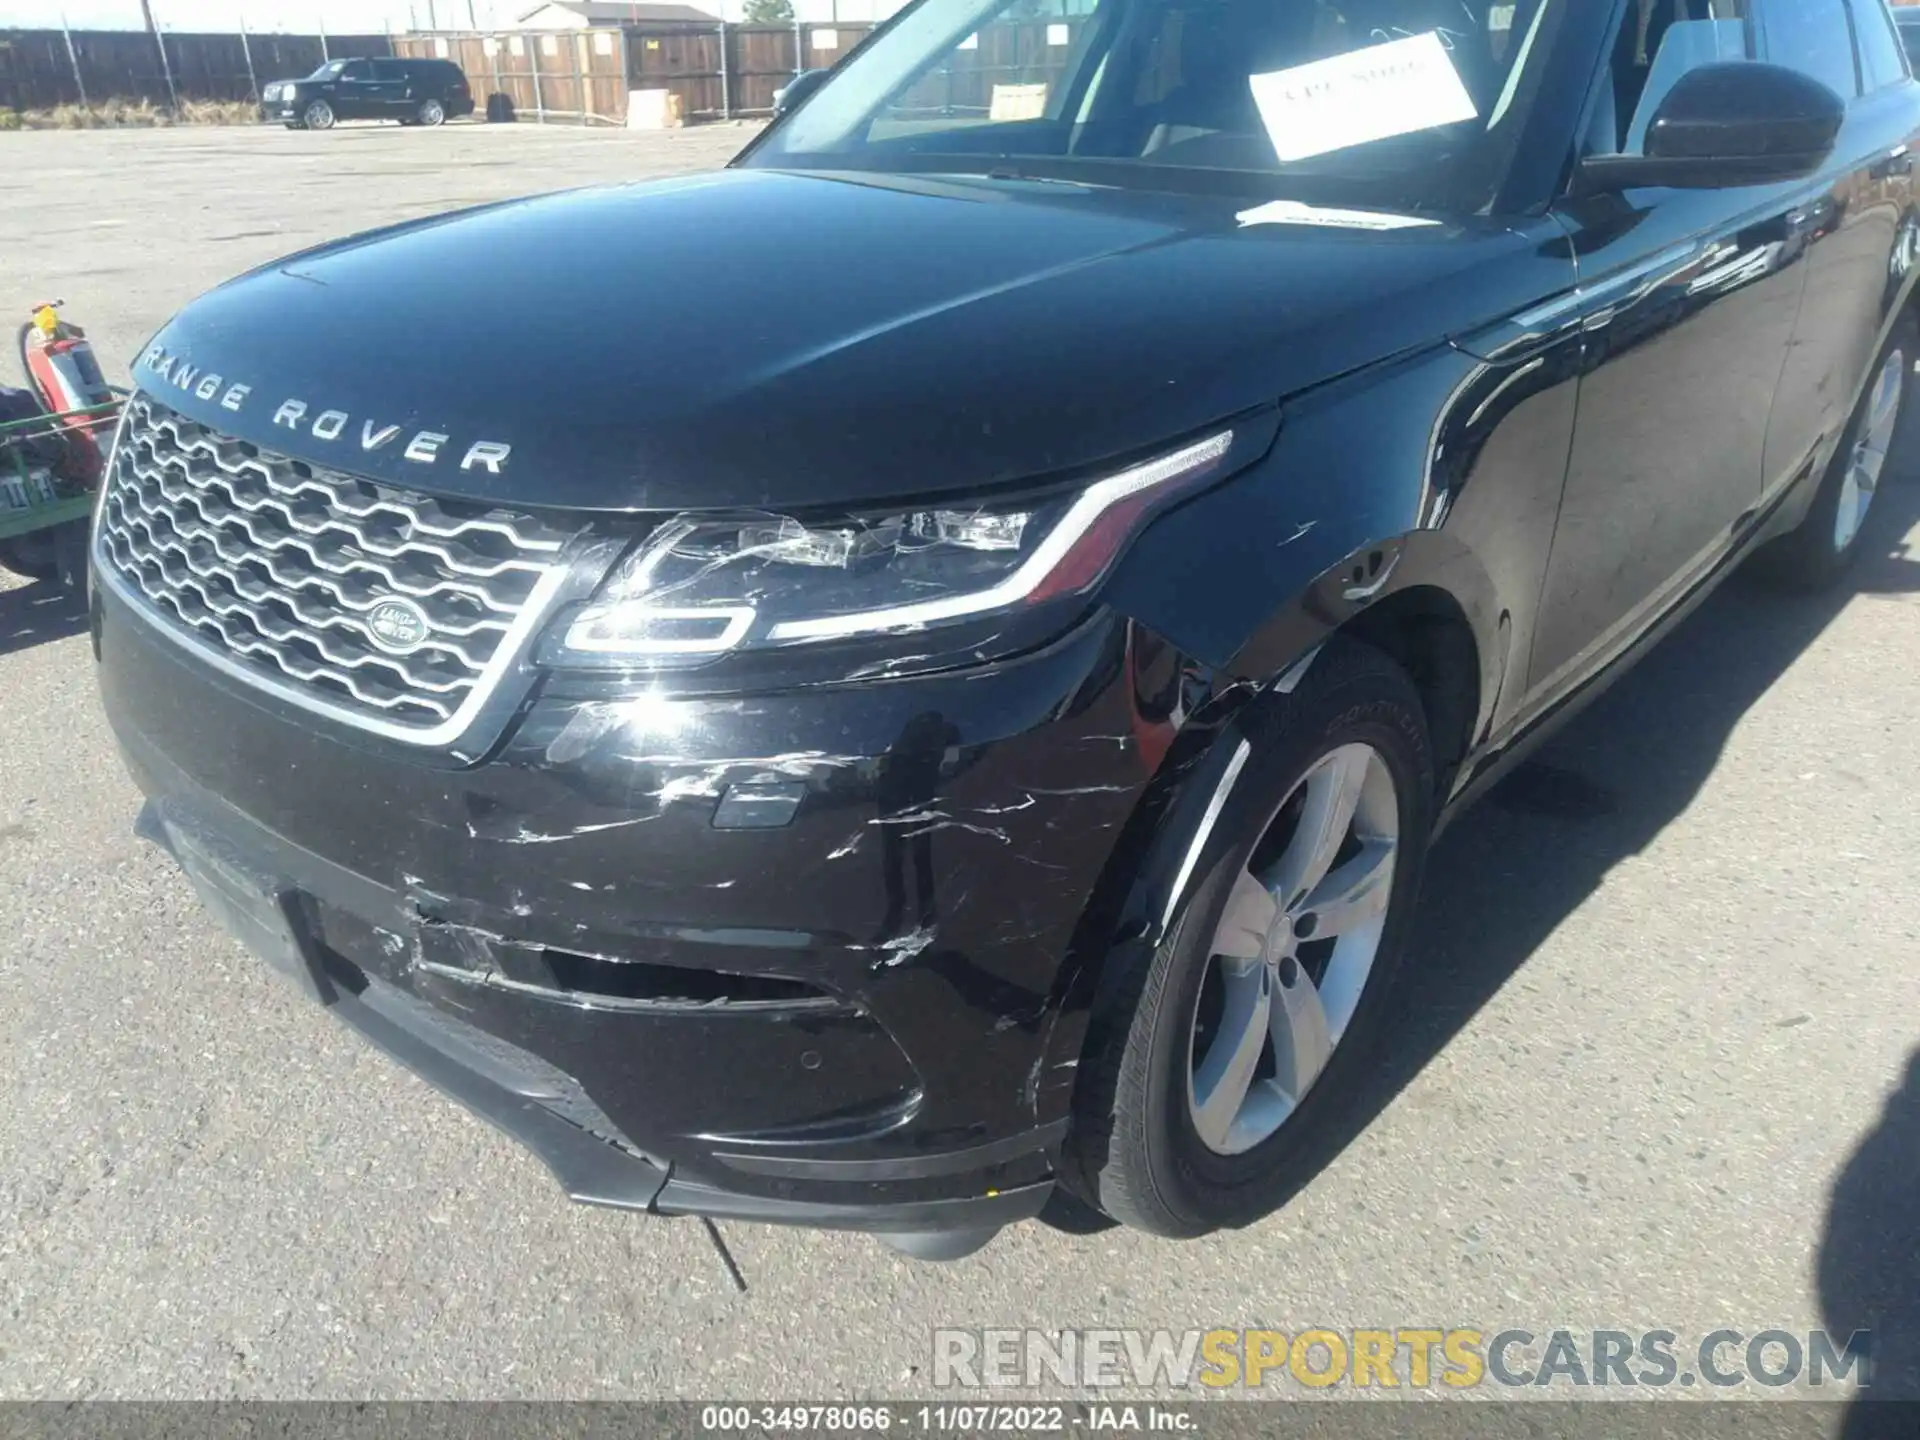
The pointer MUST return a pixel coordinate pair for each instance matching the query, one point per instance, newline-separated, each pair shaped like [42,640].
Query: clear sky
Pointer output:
[300,16]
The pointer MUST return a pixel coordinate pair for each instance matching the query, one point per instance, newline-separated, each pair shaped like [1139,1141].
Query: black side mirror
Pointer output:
[789,96]
[1724,125]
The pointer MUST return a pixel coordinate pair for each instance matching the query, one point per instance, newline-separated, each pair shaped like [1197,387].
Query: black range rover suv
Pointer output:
[414,92]
[938,687]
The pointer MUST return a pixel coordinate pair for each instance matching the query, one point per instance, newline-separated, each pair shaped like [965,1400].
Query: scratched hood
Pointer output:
[762,338]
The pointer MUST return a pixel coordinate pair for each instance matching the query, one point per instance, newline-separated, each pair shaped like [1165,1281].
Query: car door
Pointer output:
[1688,299]
[355,95]
[1855,269]
[393,89]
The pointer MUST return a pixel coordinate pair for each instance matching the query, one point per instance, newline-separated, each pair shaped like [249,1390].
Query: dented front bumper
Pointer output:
[792,957]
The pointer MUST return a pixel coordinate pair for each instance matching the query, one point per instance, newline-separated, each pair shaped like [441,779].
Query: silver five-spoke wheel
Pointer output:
[1869,458]
[1293,949]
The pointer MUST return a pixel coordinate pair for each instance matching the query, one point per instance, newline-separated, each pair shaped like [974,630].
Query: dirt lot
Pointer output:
[1668,988]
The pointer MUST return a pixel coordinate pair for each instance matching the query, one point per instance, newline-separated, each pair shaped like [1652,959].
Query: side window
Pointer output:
[1882,60]
[357,70]
[389,70]
[1661,41]
[1813,37]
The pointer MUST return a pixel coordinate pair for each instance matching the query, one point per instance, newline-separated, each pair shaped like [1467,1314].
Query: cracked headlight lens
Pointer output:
[702,585]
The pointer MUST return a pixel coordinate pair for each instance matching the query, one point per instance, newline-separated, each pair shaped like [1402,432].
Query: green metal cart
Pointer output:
[43,510]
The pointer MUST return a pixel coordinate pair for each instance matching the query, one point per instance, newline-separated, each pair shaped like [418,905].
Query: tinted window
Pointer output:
[1813,37]
[357,70]
[1881,58]
[389,70]
[1910,33]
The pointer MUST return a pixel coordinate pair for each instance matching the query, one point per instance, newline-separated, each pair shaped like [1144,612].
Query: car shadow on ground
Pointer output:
[1508,873]
[38,611]
[1869,1264]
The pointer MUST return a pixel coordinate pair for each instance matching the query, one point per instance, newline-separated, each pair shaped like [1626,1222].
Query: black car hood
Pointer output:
[766,338]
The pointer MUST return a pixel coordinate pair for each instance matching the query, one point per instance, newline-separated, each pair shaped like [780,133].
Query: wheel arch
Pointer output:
[1419,598]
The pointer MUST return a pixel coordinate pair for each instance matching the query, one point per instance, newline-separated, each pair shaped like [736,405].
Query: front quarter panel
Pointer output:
[1440,469]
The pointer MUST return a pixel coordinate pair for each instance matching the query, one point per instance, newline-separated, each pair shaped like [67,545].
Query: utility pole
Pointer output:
[166,66]
[79,83]
[246,48]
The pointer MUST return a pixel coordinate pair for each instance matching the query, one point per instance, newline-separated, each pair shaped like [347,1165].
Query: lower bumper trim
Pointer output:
[945,1162]
[986,1212]
[589,1169]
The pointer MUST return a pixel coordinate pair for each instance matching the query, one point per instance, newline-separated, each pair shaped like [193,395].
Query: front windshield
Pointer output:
[1399,103]
[329,71]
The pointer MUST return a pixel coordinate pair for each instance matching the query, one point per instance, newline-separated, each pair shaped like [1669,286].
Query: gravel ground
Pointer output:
[1649,1071]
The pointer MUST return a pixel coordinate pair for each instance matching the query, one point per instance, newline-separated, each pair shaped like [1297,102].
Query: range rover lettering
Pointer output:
[943,698]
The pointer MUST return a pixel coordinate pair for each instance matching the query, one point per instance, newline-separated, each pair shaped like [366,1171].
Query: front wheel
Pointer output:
[319,116]
[1825,544]
[1218,1061]
[432,112]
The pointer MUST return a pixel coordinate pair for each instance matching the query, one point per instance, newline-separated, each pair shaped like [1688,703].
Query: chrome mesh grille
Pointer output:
[289,569]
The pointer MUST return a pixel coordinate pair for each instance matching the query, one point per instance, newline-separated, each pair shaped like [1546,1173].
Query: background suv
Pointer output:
[414,92]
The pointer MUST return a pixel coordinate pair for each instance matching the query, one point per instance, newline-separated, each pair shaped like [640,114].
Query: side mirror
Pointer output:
[1724,125]
[790,95]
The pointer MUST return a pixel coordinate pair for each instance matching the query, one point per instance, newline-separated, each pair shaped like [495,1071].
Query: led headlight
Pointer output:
[701,585]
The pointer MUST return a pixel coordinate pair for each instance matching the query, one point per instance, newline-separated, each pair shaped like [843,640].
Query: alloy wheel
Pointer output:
[432,113]
[1861,478]
[319,116]
[1293,948]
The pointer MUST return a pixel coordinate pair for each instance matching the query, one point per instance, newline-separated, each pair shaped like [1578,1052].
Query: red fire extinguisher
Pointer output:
[64,375]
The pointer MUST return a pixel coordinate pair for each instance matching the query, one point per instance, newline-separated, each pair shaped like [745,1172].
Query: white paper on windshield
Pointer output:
[1371,94]
[1293,212]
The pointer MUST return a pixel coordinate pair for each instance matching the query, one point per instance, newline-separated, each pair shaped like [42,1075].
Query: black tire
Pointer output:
[1810,557]
[1132,1147]
[317,116]
[431,113]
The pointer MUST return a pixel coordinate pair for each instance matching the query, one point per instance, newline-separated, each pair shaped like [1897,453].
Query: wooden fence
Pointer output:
[574,75]
[720,71]
[39,70]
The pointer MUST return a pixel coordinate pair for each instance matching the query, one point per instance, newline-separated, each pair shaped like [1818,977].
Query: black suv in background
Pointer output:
[414,92]
[961,709]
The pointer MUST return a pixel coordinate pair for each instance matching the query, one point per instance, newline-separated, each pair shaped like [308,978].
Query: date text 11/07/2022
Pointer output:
[936,1419]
